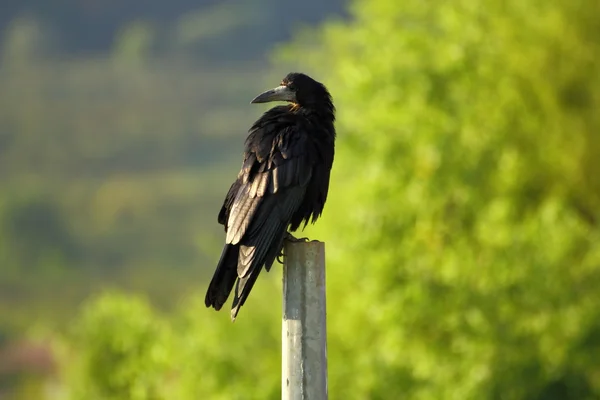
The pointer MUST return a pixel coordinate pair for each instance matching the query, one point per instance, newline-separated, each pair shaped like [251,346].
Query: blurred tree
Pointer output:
[121,351]
[28,40]
[461,228]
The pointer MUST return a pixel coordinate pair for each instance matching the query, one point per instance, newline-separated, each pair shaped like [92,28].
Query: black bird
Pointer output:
[283,183]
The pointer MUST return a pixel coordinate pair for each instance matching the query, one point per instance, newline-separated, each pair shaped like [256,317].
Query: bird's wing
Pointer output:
[272,183]
[227,203]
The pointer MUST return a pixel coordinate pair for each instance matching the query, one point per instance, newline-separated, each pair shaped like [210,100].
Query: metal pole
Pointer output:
[304,333]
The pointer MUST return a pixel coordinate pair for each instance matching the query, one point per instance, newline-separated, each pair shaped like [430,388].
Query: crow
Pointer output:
[282,184]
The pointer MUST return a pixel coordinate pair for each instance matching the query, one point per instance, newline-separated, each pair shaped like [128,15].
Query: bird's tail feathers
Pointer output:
[242,289]
[224,278]
[246,282]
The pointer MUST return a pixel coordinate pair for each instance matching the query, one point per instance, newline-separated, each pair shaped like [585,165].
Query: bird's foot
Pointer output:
[291,238]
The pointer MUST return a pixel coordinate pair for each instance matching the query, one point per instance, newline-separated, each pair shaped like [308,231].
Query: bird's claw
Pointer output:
[291,238]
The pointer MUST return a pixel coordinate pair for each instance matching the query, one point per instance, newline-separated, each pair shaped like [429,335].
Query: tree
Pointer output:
[461,229]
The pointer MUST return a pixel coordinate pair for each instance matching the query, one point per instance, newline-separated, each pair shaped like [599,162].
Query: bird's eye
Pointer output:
[291,86]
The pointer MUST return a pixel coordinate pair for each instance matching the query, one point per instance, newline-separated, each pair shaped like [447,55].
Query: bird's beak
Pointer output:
[280,93]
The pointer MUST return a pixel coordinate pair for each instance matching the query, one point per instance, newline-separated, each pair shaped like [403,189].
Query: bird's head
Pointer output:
[299,89]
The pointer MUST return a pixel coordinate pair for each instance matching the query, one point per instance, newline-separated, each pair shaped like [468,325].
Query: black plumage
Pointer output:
[283,183]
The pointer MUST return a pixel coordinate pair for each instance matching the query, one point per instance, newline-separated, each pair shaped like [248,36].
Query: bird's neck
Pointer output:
[324,111]
[322,115]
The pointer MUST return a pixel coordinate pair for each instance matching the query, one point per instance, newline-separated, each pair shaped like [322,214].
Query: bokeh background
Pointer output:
[462,228]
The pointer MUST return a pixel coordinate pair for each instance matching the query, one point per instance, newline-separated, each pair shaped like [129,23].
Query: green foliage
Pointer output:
[461,227]
[221,360]
[122,351]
